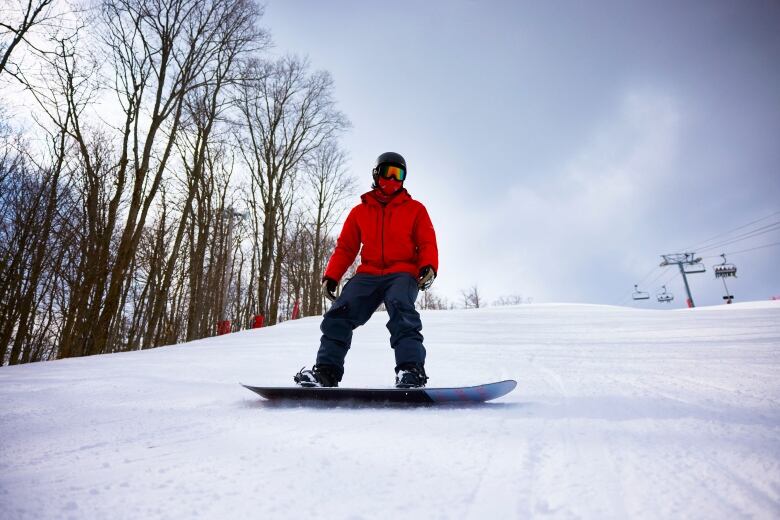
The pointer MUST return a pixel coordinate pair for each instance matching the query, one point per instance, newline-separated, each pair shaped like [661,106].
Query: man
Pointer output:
[398,257]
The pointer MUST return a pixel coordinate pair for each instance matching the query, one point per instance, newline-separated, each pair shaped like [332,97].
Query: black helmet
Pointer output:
[392,158]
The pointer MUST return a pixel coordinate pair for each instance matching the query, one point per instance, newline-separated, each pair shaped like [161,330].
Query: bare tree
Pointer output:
[160,52]
[204,108]
[471,298]
[19,17]
[39,245]
[512,299]
[429,300]
[298,266]
[34,187]
[129,233]
[330,186]
[287,114]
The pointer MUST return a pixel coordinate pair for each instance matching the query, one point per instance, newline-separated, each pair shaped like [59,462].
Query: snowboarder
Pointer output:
[398,257]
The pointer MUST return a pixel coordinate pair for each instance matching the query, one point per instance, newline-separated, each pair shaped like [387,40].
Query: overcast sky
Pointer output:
[562,147]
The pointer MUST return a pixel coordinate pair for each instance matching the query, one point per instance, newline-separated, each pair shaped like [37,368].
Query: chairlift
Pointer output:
[664,296]
[694,268]
[640,295]
[725,269]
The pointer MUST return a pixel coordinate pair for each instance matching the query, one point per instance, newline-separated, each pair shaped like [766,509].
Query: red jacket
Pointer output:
[396,238]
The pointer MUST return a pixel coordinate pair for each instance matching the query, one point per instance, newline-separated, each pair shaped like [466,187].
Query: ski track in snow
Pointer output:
[618,413]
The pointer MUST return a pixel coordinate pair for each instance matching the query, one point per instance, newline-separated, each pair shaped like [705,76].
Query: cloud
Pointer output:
[554,228]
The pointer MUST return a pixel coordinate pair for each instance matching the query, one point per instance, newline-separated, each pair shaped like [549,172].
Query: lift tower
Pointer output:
[688,264]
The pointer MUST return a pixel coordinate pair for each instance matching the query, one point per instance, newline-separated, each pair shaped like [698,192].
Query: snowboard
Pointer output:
[463,394]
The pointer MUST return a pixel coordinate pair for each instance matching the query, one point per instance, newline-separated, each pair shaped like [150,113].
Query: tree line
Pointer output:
[176,176]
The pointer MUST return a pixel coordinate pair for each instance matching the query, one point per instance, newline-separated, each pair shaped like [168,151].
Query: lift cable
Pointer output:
[769,228]
[745,250]
[719,235]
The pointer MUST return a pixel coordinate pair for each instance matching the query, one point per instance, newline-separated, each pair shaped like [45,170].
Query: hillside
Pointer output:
[619,413]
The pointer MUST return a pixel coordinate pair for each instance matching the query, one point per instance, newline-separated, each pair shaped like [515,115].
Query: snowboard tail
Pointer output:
[465,394]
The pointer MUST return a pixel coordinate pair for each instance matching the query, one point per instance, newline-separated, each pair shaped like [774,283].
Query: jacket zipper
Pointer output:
[383,239]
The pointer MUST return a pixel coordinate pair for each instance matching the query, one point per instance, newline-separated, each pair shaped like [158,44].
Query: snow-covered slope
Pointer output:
[619,413]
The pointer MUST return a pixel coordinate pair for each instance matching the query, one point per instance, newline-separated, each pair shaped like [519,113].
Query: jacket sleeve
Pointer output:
[425,240]
[347,247]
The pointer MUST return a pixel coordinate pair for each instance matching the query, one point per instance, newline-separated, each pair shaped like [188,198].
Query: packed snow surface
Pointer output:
[619,413]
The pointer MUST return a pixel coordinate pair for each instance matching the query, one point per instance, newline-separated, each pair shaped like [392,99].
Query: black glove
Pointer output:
[329,286]
[426,277]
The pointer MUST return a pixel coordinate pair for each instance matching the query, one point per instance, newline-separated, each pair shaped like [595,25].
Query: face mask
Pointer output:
[389,186]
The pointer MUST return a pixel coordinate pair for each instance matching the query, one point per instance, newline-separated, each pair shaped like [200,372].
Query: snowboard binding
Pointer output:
[318,376]
[410,376]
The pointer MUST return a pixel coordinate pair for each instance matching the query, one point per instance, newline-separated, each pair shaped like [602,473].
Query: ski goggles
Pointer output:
[391,171]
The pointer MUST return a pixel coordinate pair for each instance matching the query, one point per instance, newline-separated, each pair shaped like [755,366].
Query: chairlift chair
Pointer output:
[665,296]
[694,268]
[640,295]
[725,269]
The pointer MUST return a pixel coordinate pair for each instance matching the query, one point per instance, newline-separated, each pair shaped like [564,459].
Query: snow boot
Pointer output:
[410,375]
[319,376]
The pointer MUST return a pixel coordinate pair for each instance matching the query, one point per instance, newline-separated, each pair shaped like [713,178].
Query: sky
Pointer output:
[562,147]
